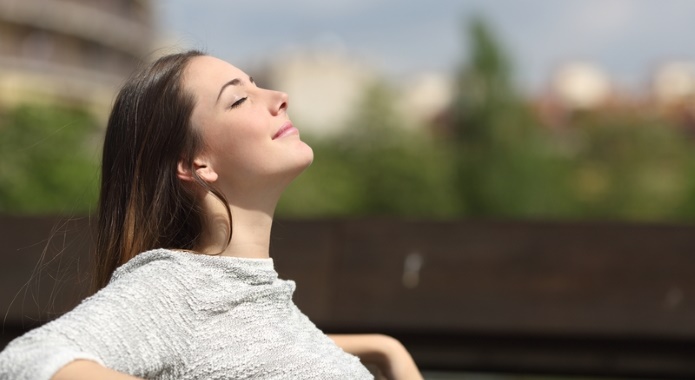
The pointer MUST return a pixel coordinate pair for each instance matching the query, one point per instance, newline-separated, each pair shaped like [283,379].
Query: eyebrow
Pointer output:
[233,82]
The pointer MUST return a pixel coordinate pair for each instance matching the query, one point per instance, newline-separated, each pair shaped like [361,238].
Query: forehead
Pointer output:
[204,77]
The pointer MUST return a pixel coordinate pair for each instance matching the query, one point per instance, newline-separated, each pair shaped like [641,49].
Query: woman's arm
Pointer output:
[89,370]
[385,352]
[139,324]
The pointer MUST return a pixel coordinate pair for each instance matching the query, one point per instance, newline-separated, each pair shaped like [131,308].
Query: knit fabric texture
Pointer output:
[177,315]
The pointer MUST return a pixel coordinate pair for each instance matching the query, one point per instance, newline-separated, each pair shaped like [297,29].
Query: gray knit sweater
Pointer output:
[177,315]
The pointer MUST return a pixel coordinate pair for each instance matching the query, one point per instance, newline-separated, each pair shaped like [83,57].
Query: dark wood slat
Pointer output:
[570,298]
[520,277]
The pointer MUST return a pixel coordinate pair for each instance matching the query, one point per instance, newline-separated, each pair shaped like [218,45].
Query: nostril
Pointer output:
[283,104]
[285,100]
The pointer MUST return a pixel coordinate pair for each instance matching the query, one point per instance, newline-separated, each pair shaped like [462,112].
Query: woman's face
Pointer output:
[250,142]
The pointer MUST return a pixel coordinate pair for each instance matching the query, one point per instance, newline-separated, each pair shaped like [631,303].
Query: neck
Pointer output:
[250,233]
[250,230]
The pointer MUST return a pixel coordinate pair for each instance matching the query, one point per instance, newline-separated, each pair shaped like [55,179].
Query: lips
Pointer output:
[286,129]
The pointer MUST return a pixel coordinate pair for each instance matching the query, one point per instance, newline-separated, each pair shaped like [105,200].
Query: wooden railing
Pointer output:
[528,297]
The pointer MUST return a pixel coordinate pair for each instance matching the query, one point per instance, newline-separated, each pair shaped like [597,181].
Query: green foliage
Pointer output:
[484,89]
[505,166]
[376,167]
[499,162]
[48,160]
[626,167]
[602,165]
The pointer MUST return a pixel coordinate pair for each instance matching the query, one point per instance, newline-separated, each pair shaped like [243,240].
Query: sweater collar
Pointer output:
[248,270]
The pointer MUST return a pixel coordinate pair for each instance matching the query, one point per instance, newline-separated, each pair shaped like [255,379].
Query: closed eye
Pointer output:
[238,102]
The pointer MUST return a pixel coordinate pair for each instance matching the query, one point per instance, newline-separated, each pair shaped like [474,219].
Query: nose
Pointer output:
[279,103]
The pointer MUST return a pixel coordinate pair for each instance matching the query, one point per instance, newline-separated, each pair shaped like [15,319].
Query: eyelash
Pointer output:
[238,102]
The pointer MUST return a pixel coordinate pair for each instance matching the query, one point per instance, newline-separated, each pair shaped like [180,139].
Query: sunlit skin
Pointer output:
[252,153]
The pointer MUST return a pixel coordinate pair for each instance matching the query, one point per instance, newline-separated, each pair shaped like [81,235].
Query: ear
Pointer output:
[201,167]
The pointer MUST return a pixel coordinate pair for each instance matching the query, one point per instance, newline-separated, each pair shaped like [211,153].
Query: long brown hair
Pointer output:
[143,204]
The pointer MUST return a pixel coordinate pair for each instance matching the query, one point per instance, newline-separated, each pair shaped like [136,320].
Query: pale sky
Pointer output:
[627,38]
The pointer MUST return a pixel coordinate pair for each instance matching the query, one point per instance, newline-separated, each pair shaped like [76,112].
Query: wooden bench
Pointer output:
[608,299]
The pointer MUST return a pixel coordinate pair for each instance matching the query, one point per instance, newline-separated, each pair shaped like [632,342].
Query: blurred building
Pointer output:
[424,97]
[70,51]
[673,83]
[673,92]
[325,87]
[581,86]
[574,87]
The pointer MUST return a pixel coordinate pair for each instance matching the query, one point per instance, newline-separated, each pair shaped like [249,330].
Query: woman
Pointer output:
[195,159]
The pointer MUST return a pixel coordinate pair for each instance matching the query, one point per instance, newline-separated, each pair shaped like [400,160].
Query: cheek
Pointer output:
[239,151]
[224,137]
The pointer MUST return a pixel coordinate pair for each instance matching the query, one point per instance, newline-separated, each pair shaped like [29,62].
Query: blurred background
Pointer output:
[538,113]
[448,109]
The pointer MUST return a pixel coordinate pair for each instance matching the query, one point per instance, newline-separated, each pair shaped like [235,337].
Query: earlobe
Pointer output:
[205,171]
[200,167]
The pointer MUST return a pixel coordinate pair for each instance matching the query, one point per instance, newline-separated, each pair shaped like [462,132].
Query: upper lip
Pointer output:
[287,125]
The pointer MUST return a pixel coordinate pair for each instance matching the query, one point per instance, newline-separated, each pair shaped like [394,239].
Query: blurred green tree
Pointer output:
[500,162]
[506,166]
[48,160]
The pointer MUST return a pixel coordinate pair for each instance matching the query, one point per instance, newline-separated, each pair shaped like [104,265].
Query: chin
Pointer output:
[294,165]
[307,155]
[290,175]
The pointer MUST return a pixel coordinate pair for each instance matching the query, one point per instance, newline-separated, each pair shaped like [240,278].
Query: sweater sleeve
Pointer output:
[139,324]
